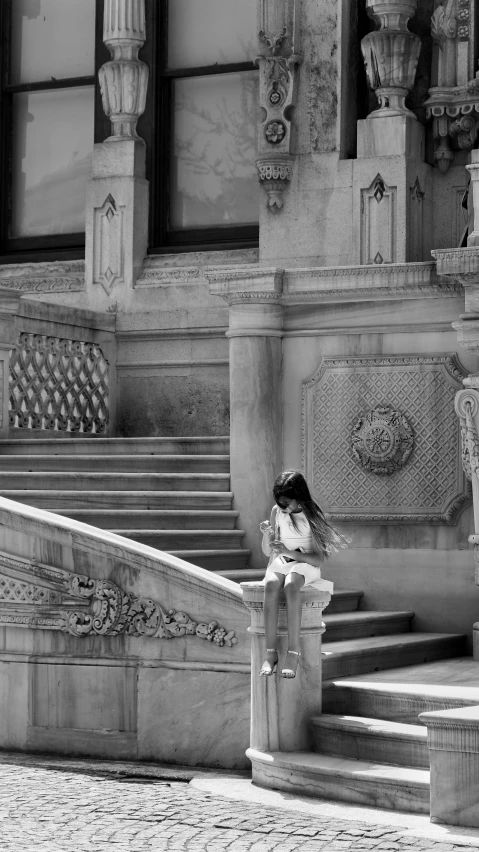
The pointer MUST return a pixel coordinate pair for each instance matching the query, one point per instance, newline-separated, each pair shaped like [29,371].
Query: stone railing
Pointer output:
[138,654]
[62,371]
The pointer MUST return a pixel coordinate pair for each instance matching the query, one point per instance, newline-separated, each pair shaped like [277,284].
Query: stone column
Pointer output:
[117,200]
[255,332]
[281,709]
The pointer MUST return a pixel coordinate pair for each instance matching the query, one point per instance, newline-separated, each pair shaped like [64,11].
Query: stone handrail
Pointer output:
[112,648]
[62,371]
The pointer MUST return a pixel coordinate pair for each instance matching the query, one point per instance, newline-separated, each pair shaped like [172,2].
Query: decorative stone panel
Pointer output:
[430,486]
[378,222]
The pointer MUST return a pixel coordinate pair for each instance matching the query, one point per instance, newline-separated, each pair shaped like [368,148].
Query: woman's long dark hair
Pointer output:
[291,485]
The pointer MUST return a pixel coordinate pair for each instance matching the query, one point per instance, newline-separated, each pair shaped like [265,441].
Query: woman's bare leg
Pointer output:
[272,589]
[292,590]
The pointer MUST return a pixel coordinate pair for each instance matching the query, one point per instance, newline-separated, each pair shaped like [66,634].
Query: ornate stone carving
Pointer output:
[378,223]
[57,277]
[382,440]
[58,384]
[108,255]
[83,606]
[453,103]
[278,83]
[422,387]
[391,55]
[124,80]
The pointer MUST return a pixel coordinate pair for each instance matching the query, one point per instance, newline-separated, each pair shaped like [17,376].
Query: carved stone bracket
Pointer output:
[39,596]
[124,80]
[453,104]
[391,55]
[278,84]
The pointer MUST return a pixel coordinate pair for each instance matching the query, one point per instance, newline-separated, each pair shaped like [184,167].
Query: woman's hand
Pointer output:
[280,549]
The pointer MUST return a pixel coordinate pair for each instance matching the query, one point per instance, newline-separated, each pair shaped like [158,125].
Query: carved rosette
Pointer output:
[124,80]
[278,83]
[391,55]
[382,440]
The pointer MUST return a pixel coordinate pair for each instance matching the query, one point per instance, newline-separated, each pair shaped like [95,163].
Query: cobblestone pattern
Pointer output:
[53,810]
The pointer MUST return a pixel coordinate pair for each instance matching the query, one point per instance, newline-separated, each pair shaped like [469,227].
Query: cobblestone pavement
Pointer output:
[74,810]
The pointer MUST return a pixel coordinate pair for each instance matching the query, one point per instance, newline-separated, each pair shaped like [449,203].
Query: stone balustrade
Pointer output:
[59,369]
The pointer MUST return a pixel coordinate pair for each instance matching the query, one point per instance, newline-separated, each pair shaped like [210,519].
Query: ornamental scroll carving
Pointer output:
[429,485]
[38,596]
[382,440]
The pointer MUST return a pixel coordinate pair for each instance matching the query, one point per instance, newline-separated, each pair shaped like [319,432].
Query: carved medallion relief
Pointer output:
[381,442]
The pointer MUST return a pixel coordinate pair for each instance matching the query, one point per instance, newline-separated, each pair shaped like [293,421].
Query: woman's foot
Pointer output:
[290,664]
[270,664]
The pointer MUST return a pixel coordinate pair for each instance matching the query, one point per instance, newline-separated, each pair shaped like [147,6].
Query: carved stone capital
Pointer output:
[462,265]
[391,55]
[124,80]
[313,602]
[246,284]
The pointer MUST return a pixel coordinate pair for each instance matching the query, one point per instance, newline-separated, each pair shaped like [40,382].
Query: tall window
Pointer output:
[47,99]
[206,190]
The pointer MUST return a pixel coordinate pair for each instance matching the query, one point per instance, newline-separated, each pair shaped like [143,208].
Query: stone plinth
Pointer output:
[453,741]
[391,136]
[281,708]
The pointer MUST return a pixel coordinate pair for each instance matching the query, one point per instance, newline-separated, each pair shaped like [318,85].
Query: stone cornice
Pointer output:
[330,285]
[461,264]
[51,277]
[242,284]
[365,283]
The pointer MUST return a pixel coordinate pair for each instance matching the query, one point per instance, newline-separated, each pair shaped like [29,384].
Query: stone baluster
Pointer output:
[255,335]
[124,80]
[278,64]
[391,55]
[117,202]
[281,709]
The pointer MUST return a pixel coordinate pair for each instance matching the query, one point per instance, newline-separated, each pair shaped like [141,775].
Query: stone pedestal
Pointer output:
[255,332]
[281,708]
[390,136]
[453,741]
[117,215]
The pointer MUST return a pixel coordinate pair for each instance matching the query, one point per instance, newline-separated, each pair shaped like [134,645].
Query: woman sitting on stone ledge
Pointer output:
[297,524]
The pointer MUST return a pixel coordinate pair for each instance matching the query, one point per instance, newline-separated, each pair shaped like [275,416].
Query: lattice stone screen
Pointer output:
[430,486]
[58,384]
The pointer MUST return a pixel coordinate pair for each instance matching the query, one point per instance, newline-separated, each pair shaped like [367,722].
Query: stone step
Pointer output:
[400,696]
[215,560]
[157,519]
[197,540]
[115,481]
[356,656]
[379,740]
[353,625]
[115,446]
[54,499]
[242,576]
[127,463]
[344,600]
[358,781]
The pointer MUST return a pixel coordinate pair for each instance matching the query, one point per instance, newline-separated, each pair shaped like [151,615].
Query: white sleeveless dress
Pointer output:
[294,540]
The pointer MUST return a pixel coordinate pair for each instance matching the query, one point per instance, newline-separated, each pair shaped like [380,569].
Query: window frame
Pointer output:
[157,131]
[51,246]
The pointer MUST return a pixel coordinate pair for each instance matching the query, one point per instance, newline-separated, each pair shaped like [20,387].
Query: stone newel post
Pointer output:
[117,202]
[281,709]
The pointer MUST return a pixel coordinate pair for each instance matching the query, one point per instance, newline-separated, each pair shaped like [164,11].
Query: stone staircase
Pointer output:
[378,676]
[170,493]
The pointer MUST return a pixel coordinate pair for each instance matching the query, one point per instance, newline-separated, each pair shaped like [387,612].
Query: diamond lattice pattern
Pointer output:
[431,477]
[17,592]
[58,384]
